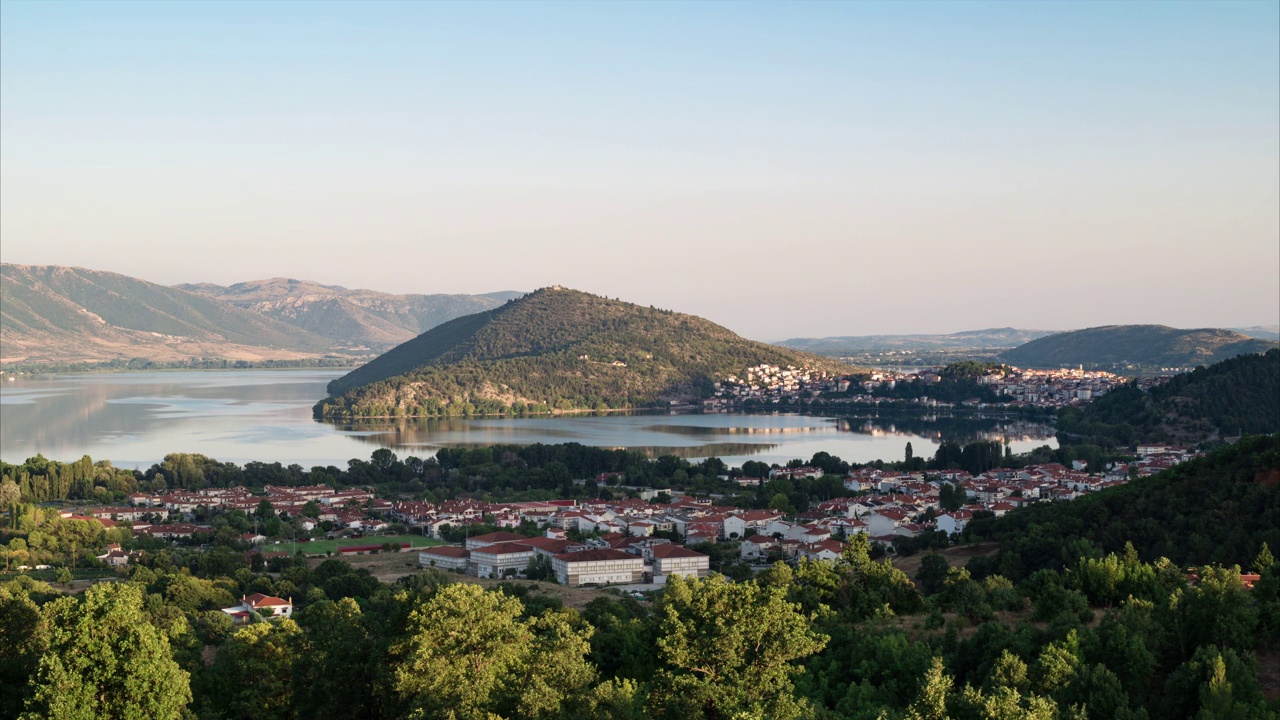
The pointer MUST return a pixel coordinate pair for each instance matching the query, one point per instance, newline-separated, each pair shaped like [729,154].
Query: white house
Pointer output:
[954,522]
[265,605]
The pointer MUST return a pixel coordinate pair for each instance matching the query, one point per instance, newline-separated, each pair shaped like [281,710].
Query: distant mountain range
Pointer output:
[993,338]
[1262,332]
[554,349]
[354,317]
[1134,347]
[54,314]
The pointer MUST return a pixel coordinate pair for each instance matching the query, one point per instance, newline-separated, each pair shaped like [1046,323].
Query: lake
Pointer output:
[135,419]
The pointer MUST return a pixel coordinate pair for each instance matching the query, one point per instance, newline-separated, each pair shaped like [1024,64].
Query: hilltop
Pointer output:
[1234,396]
[992,338]
[555,349]
[1134,347]
[354,317]
[57,314]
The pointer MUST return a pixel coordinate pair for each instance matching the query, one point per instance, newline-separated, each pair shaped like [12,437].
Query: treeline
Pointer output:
[1233,397]
[506,473]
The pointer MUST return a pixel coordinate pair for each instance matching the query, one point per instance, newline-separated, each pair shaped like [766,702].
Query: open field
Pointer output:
[956,557]
[324,547]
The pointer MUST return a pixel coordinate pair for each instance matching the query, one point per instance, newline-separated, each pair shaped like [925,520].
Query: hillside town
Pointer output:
[772,385]
[632,540]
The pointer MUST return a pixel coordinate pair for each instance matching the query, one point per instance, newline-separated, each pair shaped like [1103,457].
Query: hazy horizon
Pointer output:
[800,170]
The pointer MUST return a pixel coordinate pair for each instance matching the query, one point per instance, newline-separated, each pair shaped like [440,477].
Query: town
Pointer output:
[1013,387]
[638,541]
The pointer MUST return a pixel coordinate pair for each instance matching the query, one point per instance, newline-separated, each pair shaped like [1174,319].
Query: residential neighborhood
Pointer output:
[628,540]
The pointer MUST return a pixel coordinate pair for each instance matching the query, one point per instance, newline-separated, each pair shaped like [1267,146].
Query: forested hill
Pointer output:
[555,349]
[58,314]
[1240,395]
[355,317]
[1218,509]
[1134,347]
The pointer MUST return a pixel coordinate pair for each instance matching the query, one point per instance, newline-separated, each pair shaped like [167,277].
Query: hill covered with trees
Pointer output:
[1134,347]
[555,349]
[1234,396]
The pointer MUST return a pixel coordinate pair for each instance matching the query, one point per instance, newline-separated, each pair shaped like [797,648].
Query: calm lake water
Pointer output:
[135,419]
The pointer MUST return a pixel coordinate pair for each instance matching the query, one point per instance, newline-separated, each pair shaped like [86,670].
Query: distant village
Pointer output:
[770,384]
[634,541]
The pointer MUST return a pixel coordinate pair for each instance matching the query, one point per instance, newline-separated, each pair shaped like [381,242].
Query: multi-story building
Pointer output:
[598,567]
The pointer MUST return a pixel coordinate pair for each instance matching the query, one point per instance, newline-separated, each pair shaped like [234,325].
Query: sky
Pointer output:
[784,169]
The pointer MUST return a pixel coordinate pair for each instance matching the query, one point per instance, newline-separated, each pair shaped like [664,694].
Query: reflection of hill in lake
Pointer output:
[689,436]
[947,428]
[704,431]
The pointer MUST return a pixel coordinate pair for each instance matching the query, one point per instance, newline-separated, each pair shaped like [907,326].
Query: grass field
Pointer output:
[323,547]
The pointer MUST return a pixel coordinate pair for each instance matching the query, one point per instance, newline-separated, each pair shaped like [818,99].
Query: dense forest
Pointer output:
[555,349]
[1232,397]
[1108,627]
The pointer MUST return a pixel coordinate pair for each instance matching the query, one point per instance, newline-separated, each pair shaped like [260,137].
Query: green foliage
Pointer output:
[1211,510]
[726,650]
[470,655]
[104,660]
[1232,397]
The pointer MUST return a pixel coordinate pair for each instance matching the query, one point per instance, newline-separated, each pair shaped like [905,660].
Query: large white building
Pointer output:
[598,567]
[500,559]
[671,560]
[445,557]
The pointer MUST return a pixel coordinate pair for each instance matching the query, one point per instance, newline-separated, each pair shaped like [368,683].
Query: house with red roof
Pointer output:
[266,606]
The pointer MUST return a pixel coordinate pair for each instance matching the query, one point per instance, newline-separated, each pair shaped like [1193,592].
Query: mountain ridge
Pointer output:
[988,338]
[55,313]
[371,318]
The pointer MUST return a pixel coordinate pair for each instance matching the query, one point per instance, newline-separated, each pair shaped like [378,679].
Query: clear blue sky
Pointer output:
[786,169]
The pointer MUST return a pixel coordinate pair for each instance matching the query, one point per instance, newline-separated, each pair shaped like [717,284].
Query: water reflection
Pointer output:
[135,419]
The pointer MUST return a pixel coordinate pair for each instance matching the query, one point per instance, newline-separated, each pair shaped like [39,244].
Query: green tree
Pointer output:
[252,674]
[727,650]
[932,573]
[336,669]
[471,655]
[22,640]
[105,660]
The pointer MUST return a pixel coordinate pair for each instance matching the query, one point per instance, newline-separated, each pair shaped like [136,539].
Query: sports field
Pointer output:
[324,547]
